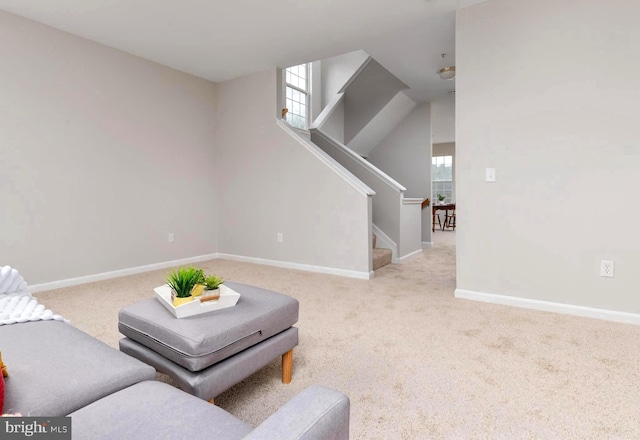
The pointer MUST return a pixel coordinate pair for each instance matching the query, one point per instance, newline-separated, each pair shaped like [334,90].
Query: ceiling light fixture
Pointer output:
[447,72]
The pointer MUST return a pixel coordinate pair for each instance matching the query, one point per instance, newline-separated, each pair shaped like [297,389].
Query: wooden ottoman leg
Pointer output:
[212,401]
[287,363]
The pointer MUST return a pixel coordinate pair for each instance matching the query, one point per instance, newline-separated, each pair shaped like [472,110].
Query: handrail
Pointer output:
[330,162]
[368,166]
[426,203]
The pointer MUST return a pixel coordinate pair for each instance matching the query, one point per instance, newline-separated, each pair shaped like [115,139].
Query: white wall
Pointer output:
[405,153]
[382,124]
[547,93]
[336,71]
[270,184]
[316,90]
[102,154]
[334,124]
[388,194]
[443,119]
[369,93]
[410,227]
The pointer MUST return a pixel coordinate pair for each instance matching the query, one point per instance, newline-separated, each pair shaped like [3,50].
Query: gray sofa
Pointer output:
[57,370]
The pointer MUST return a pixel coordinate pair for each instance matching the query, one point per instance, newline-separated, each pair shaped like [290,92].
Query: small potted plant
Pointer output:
[441,198]
[199,287]
[211,286]
[182,281]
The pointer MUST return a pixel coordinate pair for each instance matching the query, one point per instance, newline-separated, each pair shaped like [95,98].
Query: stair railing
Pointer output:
[388,202]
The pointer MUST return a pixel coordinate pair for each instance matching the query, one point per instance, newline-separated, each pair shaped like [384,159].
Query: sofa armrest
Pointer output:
[317,413]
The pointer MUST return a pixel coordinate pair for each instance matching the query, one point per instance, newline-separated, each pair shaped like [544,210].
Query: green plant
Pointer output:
[441,197]
[212,282]
[200,276]
[183,280]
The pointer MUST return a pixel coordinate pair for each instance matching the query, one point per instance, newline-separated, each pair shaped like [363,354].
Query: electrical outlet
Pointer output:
[279,237]
[490,174]
[606,269]
[172,237]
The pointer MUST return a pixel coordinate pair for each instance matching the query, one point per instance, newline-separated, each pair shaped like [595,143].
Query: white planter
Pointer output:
[228,298]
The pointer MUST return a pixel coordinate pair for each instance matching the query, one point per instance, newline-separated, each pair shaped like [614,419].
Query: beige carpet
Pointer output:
[416,362]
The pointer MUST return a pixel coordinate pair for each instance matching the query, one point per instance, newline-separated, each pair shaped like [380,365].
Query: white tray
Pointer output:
[228,298]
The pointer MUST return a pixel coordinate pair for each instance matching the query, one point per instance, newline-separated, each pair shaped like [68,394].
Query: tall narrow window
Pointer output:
[442,178]
[297,95]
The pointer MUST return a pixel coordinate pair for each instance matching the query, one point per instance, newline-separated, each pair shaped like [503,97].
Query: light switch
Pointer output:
[490,175]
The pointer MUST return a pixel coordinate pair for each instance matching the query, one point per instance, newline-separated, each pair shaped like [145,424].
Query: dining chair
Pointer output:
[450,218]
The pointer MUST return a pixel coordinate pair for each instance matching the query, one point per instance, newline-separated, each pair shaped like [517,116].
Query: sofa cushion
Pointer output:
[154,410]
[57,369]
[199,341]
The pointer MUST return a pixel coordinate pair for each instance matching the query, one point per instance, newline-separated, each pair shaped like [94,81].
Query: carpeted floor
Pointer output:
[416,362]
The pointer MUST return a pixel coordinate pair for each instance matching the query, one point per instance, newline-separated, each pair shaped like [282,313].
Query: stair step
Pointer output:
[381,257]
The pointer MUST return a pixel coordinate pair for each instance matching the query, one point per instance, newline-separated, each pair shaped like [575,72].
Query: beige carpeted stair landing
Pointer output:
[381,256]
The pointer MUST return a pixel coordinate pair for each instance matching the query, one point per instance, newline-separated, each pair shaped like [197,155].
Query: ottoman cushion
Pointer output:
[214,380]
[199,341]
[154,410]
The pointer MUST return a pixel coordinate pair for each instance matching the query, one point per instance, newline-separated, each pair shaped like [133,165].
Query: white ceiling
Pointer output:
[222,40]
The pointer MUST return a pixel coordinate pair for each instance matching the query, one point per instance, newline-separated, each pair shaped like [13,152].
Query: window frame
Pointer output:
[435,189]
[306,93]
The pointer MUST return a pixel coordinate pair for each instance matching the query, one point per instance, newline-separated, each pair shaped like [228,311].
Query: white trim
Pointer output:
[427,244]
[330,162]
[401,259]
[299,266]
[300,131]
[118,273]
[547,306]
[412,201]
[365,164]
[174,263]
[388,242]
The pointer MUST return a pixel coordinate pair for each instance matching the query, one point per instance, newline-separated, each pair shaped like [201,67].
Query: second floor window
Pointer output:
[442,178]
[297,95]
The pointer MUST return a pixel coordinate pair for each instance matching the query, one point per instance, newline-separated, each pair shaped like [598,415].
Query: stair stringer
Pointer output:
[386,242]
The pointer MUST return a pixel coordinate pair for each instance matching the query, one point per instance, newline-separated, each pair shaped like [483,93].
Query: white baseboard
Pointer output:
[118,273]
[401,259]
[427,244]
[547,306]
[299,266]
[163,265]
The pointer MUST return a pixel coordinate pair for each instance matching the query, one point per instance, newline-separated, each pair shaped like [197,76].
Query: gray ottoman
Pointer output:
[207,354]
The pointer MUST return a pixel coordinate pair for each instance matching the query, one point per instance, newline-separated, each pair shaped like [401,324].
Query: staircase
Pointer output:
[381,256]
